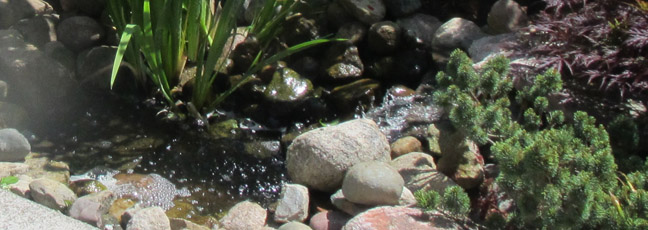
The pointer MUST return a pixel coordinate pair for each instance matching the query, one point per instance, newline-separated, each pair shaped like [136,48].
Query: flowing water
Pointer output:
[130,138]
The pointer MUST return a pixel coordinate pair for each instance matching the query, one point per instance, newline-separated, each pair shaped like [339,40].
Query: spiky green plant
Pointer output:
[169,33]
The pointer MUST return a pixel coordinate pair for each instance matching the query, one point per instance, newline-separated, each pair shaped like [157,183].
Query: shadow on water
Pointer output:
[126,136]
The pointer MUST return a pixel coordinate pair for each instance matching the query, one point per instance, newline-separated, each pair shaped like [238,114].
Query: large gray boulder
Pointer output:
[373,183]
[319,158]
[13,145]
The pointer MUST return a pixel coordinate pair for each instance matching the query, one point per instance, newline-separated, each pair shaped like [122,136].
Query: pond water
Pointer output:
[107,132]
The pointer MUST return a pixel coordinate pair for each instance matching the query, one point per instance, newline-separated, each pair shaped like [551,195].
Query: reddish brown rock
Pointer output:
[387,217]
[328,220]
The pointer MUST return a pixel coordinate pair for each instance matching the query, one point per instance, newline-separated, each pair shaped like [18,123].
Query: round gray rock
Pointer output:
[79,32]
[506,16]
[13,145]
[367,11]
[373,183]
[384,37]
[456,33]
[319,158]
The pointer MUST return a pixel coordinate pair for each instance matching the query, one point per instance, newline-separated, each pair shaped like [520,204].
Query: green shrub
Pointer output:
[561,174]
[454,201]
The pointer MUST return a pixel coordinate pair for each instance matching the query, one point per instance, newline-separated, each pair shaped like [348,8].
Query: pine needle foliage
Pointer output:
[561,174]
[454,201]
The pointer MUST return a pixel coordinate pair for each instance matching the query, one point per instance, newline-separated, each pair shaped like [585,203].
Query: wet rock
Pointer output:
[340,202]
[21,188]
[354,31]
[342,62]
[399,8]
[149,219]
[294,226]
[405,145]
[384,37]
[90,208]
[337,16]
[38,30]
[461,160]
[52,194]
[182,224]
[367,11]
[490,46]
[13,145]
[79,33]
[419,173]
[86,187]
[301,29]
[243,216]
[251,9]
[57,51]
[94,67]
[506,16]
[328,220]
[411,64]
[293,204]
[372,183]
[12,169]
[361,92]
[246,50]
[263,149]
[287,90]
[117,210]
[419,29]
[41,166]
[383,68]
[319,158]
[89,7]
[150,190]
[387,217]
[39,83]
[456,33]
[13,11]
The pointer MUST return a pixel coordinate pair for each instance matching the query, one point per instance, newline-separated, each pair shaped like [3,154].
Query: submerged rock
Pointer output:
[80,32]
[367,11]
[342,62]
[358,93]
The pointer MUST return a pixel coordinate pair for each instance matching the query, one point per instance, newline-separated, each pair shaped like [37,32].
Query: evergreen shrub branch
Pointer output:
[560,173]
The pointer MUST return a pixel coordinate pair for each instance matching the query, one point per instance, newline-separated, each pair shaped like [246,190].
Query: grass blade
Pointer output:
[121,49]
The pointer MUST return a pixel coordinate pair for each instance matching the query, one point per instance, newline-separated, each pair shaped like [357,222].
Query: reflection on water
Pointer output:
[129,138]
